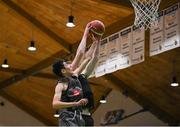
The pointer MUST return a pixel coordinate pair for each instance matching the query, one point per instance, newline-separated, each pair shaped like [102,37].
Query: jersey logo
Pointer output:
[74,92]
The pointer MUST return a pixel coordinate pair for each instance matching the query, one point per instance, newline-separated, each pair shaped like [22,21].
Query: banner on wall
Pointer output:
[113,53]
[138,41]
[101,64]
[157,35]
[171,33]
[125,48]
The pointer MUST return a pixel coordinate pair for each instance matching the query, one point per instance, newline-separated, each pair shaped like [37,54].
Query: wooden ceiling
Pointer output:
[29,82]
[53,14]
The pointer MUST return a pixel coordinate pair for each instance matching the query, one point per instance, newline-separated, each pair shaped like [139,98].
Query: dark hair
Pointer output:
[56,68]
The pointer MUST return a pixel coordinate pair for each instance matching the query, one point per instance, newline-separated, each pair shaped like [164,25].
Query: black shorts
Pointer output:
[69,118]
[87,92]
[88,120]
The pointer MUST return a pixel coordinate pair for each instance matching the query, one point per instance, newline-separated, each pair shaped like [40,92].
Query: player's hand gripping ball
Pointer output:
[97,27]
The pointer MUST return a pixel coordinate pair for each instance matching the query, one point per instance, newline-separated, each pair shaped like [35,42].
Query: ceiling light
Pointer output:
[32,46]
[103,100]
[174,82]
[5,64]
[56,115]
[70,22]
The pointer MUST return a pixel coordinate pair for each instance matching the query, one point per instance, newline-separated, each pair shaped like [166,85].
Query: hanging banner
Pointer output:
[101,64]
[113,53]
[157,35]
[171,20]
[125,48]
[138,45]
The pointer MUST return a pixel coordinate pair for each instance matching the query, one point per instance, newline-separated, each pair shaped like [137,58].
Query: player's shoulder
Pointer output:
[61,86]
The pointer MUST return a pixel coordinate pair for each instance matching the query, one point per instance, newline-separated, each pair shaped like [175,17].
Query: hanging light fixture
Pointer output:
[5,64]
[103,100]
[70,22]
[56,115]
[174,82]
[32,42]
[32,46]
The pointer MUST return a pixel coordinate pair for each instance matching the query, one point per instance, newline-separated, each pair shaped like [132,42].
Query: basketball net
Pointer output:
[146,12]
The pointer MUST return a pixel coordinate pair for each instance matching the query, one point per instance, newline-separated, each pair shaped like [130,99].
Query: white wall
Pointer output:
[115,100]
[12,115]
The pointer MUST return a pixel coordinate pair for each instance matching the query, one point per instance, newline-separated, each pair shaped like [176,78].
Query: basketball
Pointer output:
[97,27]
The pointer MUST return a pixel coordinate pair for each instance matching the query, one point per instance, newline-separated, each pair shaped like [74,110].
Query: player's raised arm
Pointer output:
[81,48]
[92,63]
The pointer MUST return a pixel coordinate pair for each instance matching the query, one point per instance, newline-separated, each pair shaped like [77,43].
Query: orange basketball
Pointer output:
[97,27]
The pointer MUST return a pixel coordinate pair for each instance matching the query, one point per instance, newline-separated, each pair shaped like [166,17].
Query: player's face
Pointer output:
[66,72]
[67,65]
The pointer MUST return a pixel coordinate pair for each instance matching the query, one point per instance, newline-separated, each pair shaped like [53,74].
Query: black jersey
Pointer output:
[87,92]
[71,116]
[74,90]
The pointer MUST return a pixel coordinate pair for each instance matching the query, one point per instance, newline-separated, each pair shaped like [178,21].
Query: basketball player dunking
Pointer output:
[72,90]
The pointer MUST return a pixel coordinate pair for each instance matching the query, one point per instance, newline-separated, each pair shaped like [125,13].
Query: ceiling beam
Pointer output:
[117,84]
[46,75]
[24,107]
[38,24]
[11,70]
[39,74]
[54,77]
[94,84]
[33,70]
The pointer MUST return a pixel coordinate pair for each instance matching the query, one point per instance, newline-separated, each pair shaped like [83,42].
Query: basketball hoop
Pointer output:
[146,12]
